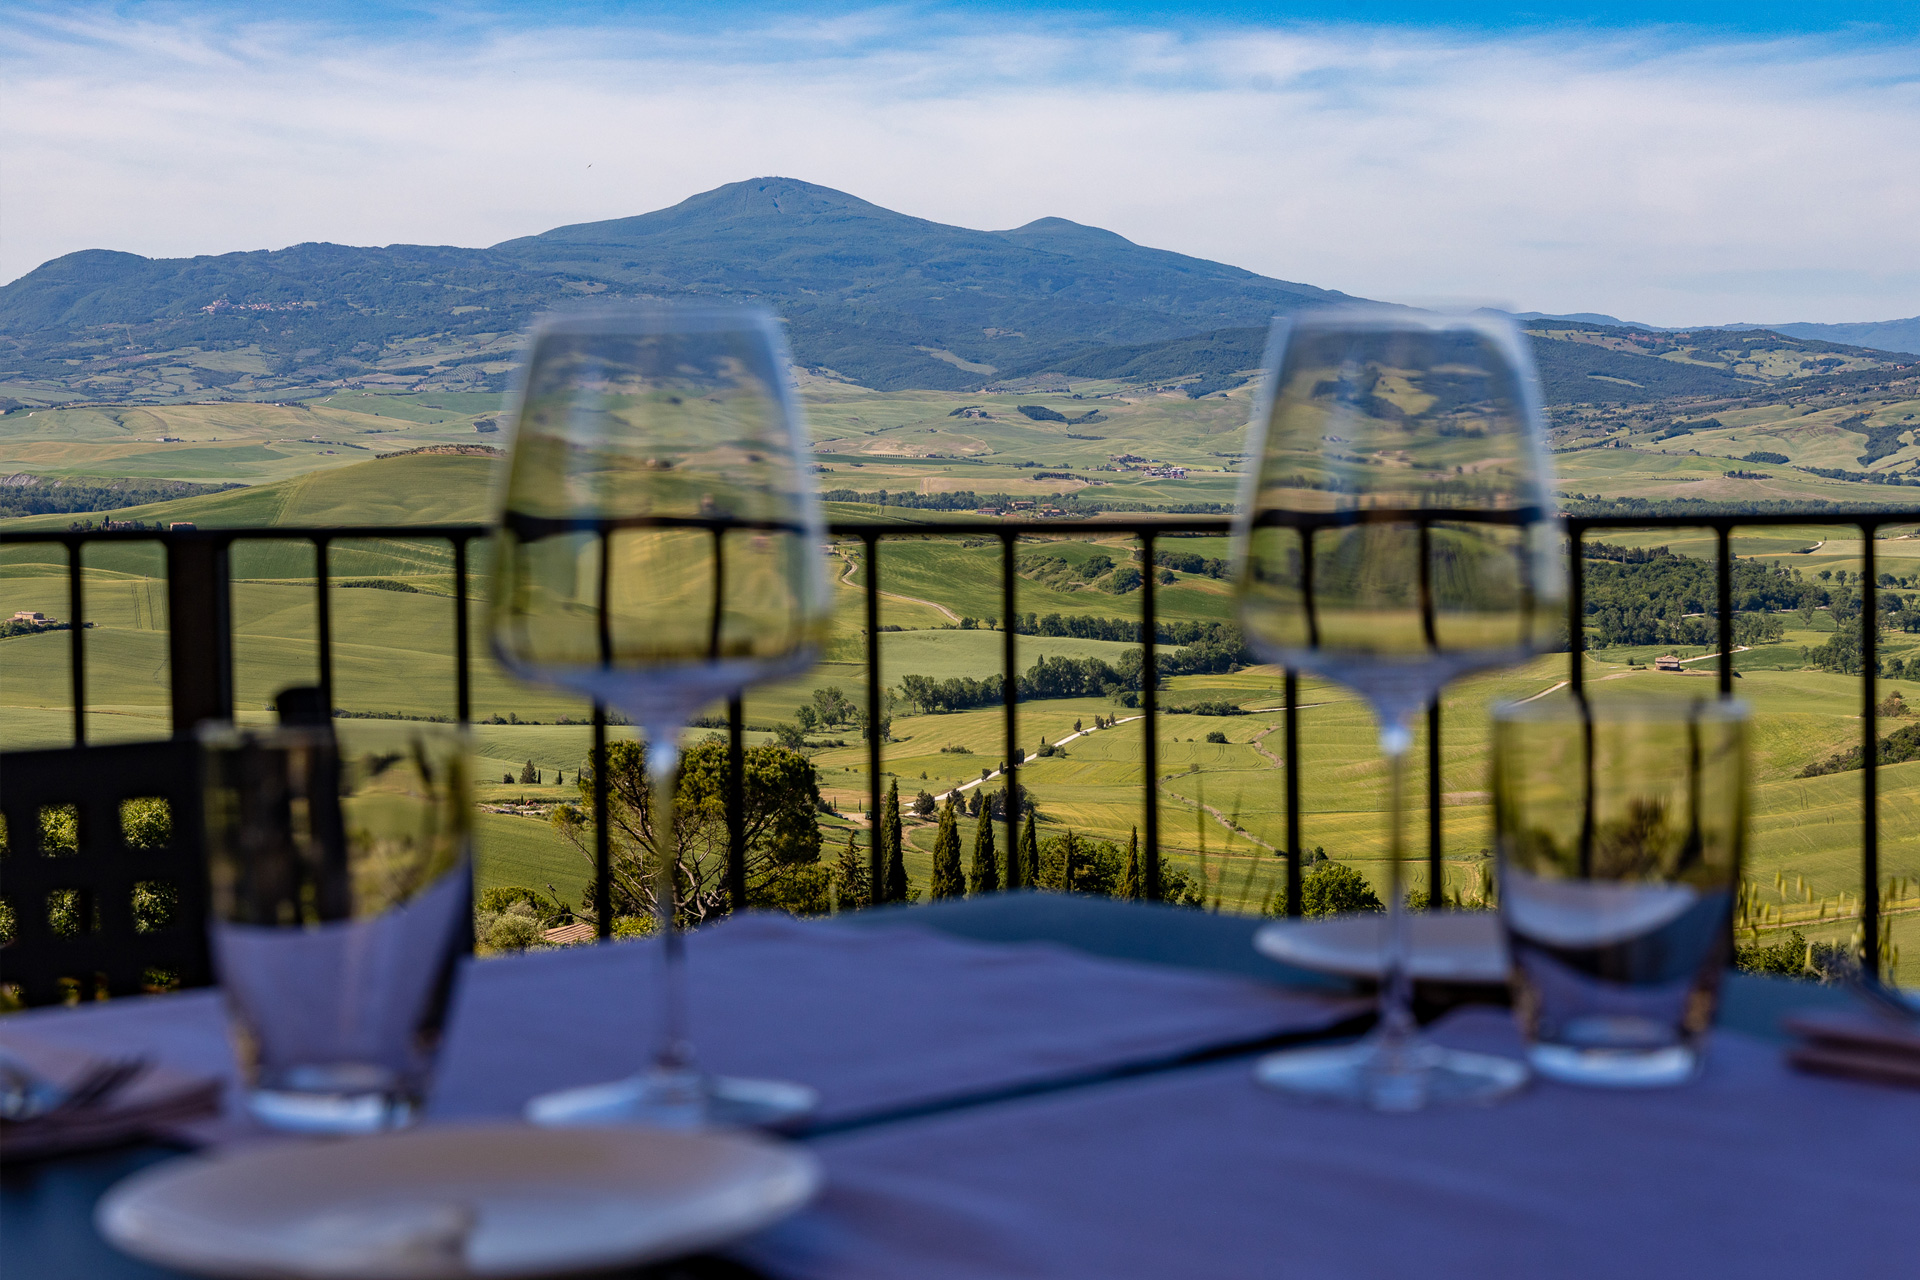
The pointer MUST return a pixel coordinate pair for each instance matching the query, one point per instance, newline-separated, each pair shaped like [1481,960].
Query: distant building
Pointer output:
[178,525]
[986,511]
[1668,662]
[26,615]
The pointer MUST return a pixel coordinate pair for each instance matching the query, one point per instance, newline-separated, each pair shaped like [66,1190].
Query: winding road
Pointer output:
[853,567]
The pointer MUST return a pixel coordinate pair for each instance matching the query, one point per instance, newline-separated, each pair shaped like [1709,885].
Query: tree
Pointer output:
[1334,887]
[896,886]
[923,804]
[1029,852]
[851,877]
[1132,886]
[833,706]
[985,877]
[789,736]
[1071,864]
[529,774]
[808,718]
[781,838]
[506,777]
[948,881]
[513,928]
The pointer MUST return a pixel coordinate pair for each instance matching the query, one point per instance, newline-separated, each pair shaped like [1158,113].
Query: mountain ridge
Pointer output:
[884,299]
[1900,337]
[866,292]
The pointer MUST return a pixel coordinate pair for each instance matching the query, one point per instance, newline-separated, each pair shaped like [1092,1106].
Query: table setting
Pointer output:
[893,1095]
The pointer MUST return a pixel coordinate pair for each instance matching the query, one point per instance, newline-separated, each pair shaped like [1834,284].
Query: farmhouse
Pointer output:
[1668,662]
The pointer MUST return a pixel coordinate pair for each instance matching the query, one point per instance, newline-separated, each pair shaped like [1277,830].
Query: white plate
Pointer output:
[1450,946]
[456,1201]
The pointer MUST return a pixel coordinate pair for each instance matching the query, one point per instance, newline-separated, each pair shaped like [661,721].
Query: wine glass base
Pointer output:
[1403,1076]
[678,1100]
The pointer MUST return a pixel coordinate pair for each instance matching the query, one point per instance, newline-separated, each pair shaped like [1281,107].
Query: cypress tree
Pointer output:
[1130,886]
[890,830]
[852,874]
[948,880]
[986,865]
[1029,851]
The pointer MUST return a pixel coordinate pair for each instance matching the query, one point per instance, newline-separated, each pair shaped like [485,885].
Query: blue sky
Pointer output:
[1756,162]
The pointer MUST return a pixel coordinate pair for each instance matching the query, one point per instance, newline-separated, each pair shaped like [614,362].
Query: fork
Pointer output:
[26,1095]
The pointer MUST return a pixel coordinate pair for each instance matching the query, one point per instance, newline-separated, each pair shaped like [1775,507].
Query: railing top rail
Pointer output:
[306,533]
[1131,524]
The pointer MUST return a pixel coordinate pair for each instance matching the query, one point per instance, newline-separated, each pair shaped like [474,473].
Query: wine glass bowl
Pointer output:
[1395,530]
[1394,534]
[659,528]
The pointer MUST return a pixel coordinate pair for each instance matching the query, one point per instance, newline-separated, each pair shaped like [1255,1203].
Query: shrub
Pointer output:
[1332,888]
[1794,957]
[1216,736]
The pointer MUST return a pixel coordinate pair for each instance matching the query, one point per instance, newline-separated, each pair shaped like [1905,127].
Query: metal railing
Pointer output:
[201,648]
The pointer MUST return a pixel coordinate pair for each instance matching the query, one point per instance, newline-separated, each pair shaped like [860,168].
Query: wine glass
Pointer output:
[1396,532]
[658,550]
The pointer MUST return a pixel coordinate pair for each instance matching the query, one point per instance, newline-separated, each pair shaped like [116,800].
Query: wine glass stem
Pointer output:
[1396,983]
[673,1055]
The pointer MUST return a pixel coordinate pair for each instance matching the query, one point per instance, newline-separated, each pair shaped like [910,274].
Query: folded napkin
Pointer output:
[153,1098]
[1857,1045]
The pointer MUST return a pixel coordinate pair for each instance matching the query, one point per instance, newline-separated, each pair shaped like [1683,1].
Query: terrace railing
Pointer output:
[201,656]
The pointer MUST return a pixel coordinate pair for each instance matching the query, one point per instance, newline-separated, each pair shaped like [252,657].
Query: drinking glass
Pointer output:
[659,549]
[1396,532]
[1620,827]
[342,900]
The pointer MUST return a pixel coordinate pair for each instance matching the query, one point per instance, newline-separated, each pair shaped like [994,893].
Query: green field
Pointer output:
[1221,804]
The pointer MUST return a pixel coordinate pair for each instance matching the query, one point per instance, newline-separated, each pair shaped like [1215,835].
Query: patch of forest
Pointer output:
[30,495]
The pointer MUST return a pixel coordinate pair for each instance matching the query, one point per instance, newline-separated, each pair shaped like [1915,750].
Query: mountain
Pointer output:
[1578,362]
[1883,335]
[1584,317]
[879,297]
[1902,337]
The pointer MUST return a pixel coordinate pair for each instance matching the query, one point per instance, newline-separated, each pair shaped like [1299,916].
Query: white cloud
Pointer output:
[1637,174]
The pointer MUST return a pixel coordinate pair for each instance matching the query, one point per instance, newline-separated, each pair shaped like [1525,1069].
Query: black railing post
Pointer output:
[736,805]
[199,630]
[1870,763]
[1150,714]
[1293,793]
[324,600]
[1723,588]
[1010,703]
[1576,608]
[462,643]
[76,643]
[1436,875]
[876,839]
[602,838]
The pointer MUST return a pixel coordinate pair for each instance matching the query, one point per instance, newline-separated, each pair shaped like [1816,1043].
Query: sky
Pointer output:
[1759,162]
